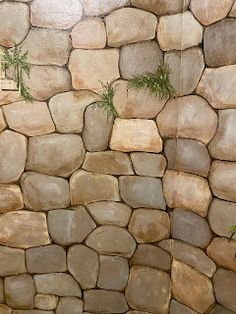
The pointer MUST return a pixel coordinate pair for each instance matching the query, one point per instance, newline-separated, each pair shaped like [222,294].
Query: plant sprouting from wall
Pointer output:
[158,84]
[232,232]
[106,99]
[15,60]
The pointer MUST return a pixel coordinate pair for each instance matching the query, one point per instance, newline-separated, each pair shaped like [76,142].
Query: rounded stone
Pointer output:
[102,7]
[179,308]
[70,305]
[46,301]
[160,7]
[147,164]
[12,261]
[11,198]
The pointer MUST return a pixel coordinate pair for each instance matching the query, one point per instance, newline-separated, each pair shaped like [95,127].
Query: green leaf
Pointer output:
[106,99]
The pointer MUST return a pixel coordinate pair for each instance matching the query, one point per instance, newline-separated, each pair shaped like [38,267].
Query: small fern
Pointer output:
[157,84]
[106,99]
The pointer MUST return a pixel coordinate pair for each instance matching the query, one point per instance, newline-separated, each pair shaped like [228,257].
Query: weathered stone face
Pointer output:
[70,305]
[146,164]
[12,261]
[219,309]
[102,7]
[10,198]
[46,301]
[233,11]
[1,293]
[178,308]
[2,121]
[160,7]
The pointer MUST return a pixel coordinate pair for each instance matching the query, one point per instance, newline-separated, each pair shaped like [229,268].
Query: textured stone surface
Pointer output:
[12,261]
[222,180]
[111,240]
[55,154]
[10,198]
[142,192]
[179,31]
[42,192]
[148,290]
[191,287]
[29,118]
[102,7]
[86,187]
[148,225]
[160,7]
[69,226]
[60,14]
[139,58]
[135,135]
[6,96]
[5,309]
[2,121]
[186,191]
[12,144]
[32,312]
[233,10]
[85,273]
[189,227]
[147,164]
[46,301]
[70,305]
[23,229]
[178,308]
[217,86]
[188,117]
[91,67]
[1,292]
[222,310]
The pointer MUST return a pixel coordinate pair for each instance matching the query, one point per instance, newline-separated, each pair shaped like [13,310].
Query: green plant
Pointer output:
[157,84]
[15,60]
[106,99]
[232,232]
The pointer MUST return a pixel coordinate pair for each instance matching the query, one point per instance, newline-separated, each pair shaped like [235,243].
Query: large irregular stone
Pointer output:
[221,215]
[111,240]
[113,273]
[179,308]
[173,31]
[110,213]
[185,69]
[223,145]
[191,255]
[189,227]
[220,43]
[188,156]
[12,15]
[2,121]
[160,7]
[55,154]
[43,192]
[148,290]
[225,287]
[149,225]
[20,291]
[139,58]
[11,145]
[29,118]
[91,67]
[70,305]
[82,37]
[47,81]
[123,26]
[46,301]
[97,128]
[46,259]
[23,229]
[147,164]
[102,7]
[47,47]
[217,86]
[142,192]
[102,301]
[135,135]
[191,287]
[85,273]
[10,198]
[58,284]
[151,256]
[12,261]
[62,14]
[223,180]
[187,191]
[69,226]
[222,251]
[188,117]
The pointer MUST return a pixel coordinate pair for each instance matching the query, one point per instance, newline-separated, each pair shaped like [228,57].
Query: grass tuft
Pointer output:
[106,99]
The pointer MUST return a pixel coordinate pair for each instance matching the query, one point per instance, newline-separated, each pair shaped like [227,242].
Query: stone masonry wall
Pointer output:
[128,215]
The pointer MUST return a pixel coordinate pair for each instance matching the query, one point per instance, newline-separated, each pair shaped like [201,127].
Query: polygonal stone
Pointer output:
[189,227]
[160,7]
[12,261]
[147,164]
[43,192]
[91,67]
[191,288]
[62,14]
[142,192]
[12,144]
[148,290]
[29,118]
[10,198]
[55,154]
[173,31]
[23,229]
[187,191]
[69,226]
[46,301]
[178,119]
[178,308]
[70,305]
[102,7]
[85,273]
[82,37]
[2,121]
[111,240]
[139,58]
[223,180]
[9,96]
[217,86]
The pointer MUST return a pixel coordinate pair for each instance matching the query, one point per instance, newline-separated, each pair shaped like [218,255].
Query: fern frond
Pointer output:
[106,99]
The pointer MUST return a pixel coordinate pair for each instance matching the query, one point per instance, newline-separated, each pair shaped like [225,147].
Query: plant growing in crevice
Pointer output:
[16,61]
[106,99]
[232,232]
[158,84]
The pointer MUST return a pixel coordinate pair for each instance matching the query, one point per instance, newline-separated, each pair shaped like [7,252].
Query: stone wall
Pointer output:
[127,215]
